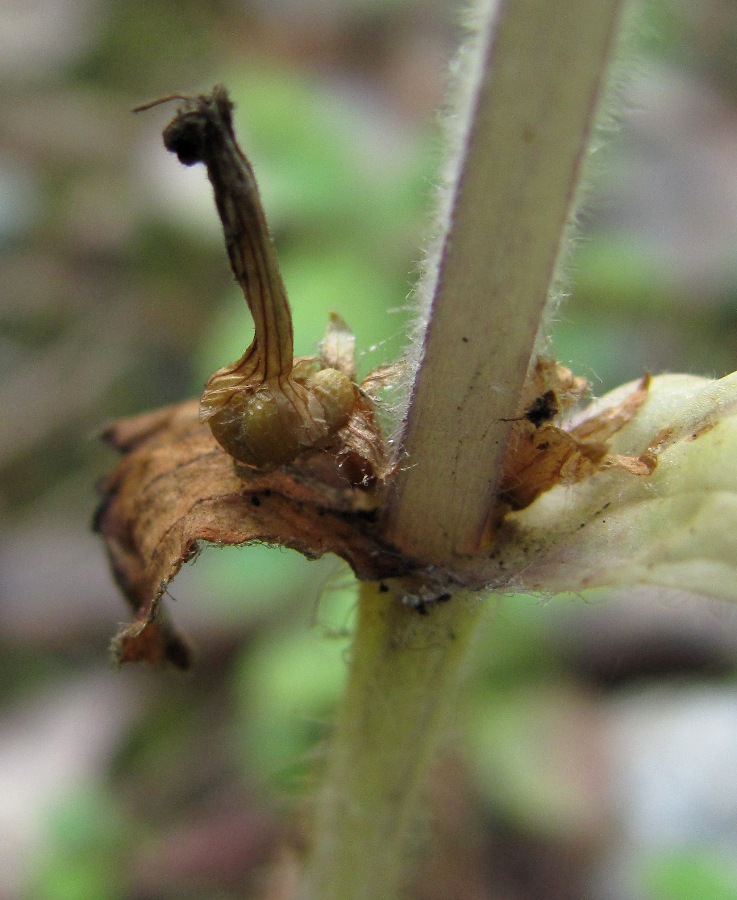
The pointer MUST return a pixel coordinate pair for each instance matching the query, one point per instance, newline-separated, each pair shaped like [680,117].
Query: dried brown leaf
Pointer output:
[176,487]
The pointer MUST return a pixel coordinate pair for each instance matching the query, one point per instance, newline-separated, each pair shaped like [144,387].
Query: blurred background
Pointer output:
[595,749]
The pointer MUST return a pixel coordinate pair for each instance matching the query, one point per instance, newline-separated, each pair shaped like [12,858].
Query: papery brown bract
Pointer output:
[542,454]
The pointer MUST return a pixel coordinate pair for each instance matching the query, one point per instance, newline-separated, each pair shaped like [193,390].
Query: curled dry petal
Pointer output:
[338,347]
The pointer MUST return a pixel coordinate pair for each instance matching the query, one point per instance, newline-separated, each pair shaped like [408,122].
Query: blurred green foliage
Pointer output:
[692,874]
[84,856]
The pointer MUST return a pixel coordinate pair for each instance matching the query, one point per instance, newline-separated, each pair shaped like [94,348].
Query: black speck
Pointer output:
[465,340]
[255,500]
[542,409]
[383,588]
[185,136]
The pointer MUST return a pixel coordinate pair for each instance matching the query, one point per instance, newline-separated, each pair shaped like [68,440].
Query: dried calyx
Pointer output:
[267,407]
[543,454]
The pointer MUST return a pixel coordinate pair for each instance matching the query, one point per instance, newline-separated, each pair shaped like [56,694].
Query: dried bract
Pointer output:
[542,454]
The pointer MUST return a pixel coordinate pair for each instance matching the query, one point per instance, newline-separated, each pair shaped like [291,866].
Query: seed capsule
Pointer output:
[267,407]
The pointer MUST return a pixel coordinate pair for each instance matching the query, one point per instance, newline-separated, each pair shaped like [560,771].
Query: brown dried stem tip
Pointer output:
[267,407]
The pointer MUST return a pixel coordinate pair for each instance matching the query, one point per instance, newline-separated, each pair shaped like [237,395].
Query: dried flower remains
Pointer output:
[267,407]
[288,450]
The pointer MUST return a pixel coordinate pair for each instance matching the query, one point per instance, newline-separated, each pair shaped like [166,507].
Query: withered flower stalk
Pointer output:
[265,408]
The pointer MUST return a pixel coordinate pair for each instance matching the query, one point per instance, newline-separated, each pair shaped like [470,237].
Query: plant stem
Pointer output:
[404,671]
[529,110]
[525,128]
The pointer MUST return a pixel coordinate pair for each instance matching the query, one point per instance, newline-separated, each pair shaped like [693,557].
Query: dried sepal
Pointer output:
[360,452]
[542,454]
[338,347]
[551,382]
[605,423]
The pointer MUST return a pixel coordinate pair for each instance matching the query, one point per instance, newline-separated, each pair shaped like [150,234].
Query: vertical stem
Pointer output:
[404,671]
[536,85]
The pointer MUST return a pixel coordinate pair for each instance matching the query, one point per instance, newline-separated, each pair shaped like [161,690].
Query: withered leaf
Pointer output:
[176,487]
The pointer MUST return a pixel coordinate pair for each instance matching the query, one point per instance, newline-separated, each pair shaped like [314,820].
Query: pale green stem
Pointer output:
[403,678]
